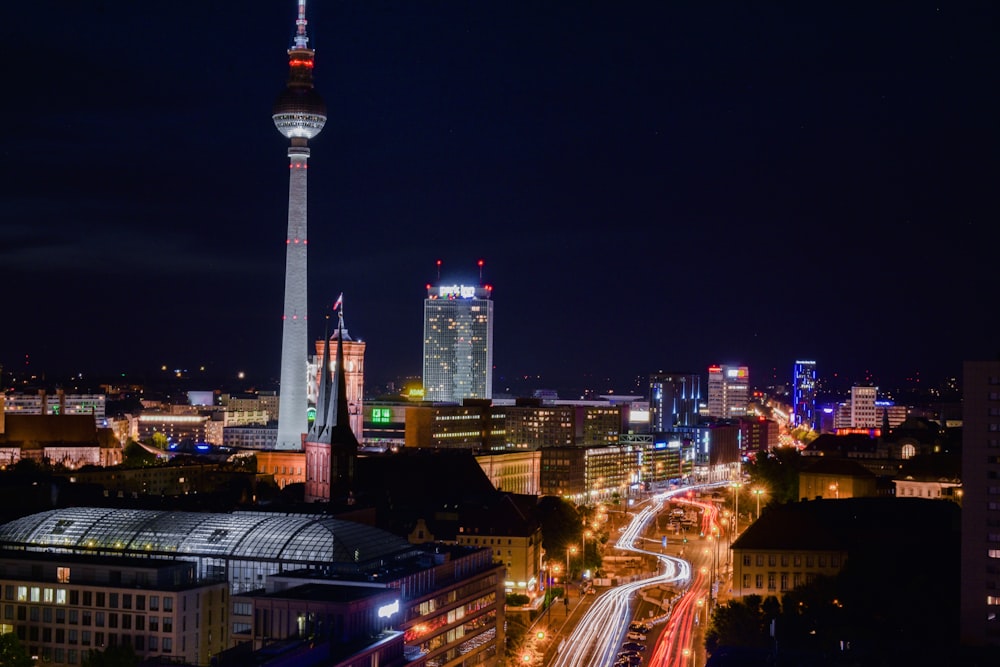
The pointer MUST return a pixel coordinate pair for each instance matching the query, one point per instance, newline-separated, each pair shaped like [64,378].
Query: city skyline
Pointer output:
[650,188]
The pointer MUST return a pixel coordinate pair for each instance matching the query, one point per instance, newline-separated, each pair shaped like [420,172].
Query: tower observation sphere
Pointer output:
[299,111]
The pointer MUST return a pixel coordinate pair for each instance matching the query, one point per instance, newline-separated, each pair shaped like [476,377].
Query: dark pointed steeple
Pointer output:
[343,442]
[319,423]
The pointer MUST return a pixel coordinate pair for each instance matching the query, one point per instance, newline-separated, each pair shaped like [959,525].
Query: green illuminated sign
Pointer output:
[381,415]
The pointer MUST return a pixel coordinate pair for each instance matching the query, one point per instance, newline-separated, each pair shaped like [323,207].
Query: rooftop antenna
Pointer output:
[480,272]
[301,40]
[439,270]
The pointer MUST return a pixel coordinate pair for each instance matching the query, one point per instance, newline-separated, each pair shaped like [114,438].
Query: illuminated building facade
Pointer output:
[674,400]
[513,472]
[71,441]
[481,426]
[60,403]
[757,435]
[331,448]
[451,598]
[177,427]
[299,114]
[862,407]
[61,606]
[980,580]
[446,600]
[476,425]
[458,342]
[728,391]
[587,473]
[804,394]
[354,376]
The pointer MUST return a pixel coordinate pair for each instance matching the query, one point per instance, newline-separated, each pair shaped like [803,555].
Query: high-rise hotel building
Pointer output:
[728,391]
[458,342]
[980,595]
[804,394]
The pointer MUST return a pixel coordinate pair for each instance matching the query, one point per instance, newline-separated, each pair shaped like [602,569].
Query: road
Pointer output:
[596,638]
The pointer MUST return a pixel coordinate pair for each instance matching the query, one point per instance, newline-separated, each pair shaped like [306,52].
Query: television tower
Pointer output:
[299,113]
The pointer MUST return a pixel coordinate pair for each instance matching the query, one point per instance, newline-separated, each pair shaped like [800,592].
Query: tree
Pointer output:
[137,456]
[778,471]
[12,653]
[561,524]
[738,623]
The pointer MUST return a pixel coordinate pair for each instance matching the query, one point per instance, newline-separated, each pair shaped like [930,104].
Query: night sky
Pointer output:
[651,185]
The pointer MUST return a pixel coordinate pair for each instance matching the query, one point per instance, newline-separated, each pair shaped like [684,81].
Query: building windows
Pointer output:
[759,581]
[771,581]
[62,575]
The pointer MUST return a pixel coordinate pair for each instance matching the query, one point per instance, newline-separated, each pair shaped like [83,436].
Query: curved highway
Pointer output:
[597,638]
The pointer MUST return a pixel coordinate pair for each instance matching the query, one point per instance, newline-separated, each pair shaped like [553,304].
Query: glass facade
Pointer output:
[245,546]
[458,343]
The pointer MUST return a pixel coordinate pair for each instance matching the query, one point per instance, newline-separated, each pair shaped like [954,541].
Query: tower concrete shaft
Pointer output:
[292,403]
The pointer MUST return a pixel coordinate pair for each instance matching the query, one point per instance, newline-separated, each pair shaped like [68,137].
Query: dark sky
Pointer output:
[652,185]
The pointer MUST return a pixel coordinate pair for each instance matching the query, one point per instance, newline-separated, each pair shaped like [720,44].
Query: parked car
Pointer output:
[636,636]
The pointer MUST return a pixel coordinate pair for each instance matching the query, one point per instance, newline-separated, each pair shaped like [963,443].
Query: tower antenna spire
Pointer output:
[301,40]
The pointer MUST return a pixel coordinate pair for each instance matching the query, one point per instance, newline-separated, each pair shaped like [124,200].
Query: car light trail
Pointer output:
[598,636]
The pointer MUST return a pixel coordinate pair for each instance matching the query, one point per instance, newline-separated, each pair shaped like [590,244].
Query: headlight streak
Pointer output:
[597,638]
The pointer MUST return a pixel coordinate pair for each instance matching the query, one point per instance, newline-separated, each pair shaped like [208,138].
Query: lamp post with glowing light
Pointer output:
[758,492]
[736,508]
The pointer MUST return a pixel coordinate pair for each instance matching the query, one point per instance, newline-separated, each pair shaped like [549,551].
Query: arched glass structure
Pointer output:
[245,547]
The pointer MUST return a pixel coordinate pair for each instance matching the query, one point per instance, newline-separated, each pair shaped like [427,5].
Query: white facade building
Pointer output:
[728,391]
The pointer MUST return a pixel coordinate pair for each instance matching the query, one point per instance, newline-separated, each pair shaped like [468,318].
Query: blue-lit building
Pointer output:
[674,400]
[804,394]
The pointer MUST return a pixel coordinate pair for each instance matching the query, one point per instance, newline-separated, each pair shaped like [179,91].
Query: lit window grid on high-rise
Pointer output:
[728,391]
[458,349]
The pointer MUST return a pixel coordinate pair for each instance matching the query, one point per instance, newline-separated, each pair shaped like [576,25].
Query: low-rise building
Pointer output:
[60,606]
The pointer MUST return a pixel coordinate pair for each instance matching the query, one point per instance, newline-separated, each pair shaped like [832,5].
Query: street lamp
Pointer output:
[758,493]
[736,508]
